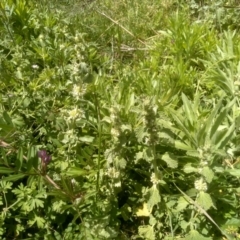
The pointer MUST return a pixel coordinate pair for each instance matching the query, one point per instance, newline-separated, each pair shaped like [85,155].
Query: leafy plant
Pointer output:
[119,120]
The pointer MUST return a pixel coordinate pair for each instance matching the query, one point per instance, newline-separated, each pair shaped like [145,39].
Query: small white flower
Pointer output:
[74,113]
[154,179]
[35,66]
[79,91]
[75,68]
[78,200]
[115,133]
[73,181]
[113,117]
[61,46]
[112,173]
[118,184]
[76,90]
[200,185]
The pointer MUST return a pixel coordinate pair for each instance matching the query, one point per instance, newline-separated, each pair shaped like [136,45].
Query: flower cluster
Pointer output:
[155,181]
[44,156]
[200,185]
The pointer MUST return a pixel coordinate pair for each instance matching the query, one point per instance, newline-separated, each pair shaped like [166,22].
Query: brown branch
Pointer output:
[121,26]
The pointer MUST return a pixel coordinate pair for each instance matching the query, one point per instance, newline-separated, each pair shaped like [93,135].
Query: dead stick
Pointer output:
[121,26]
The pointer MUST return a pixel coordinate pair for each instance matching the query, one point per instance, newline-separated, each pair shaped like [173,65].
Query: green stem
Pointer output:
[99,143]
[13,204]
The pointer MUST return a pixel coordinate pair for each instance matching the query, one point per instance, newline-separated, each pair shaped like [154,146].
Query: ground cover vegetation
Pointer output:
[119,119]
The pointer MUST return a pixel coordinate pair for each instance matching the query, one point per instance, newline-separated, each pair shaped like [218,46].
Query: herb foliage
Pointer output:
[119,120]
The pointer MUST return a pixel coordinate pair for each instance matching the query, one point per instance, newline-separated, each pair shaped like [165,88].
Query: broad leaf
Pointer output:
[204,200]
[147,232]
[188,168]
[208,174]
[154,197]
[195,235]
[182,204]
[87,139]
[170,159]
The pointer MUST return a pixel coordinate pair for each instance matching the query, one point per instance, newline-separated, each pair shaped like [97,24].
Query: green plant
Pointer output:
[118,121]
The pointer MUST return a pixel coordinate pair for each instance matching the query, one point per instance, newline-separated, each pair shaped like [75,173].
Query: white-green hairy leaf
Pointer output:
[208,174]
[226,137]
[193,153]
[170,160]
[182,146]
[234,172]
[195,235]
[181,204]
[87,139]
[188,168]
[147,232]
[154,197]
[204,200]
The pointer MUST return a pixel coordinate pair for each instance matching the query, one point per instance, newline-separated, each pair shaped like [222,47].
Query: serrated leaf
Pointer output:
[122,163]
[18,121]
[138,156]
[40,222]
[195,235]
[188,168]
[182,146]
[204,200]
[126,211]
[182,204]
[234,172]
[234,221]
[170,159]
[140,133]
[193,153]
[87,139]
[147,232]
[154,197]
[184,225]
[208,174]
